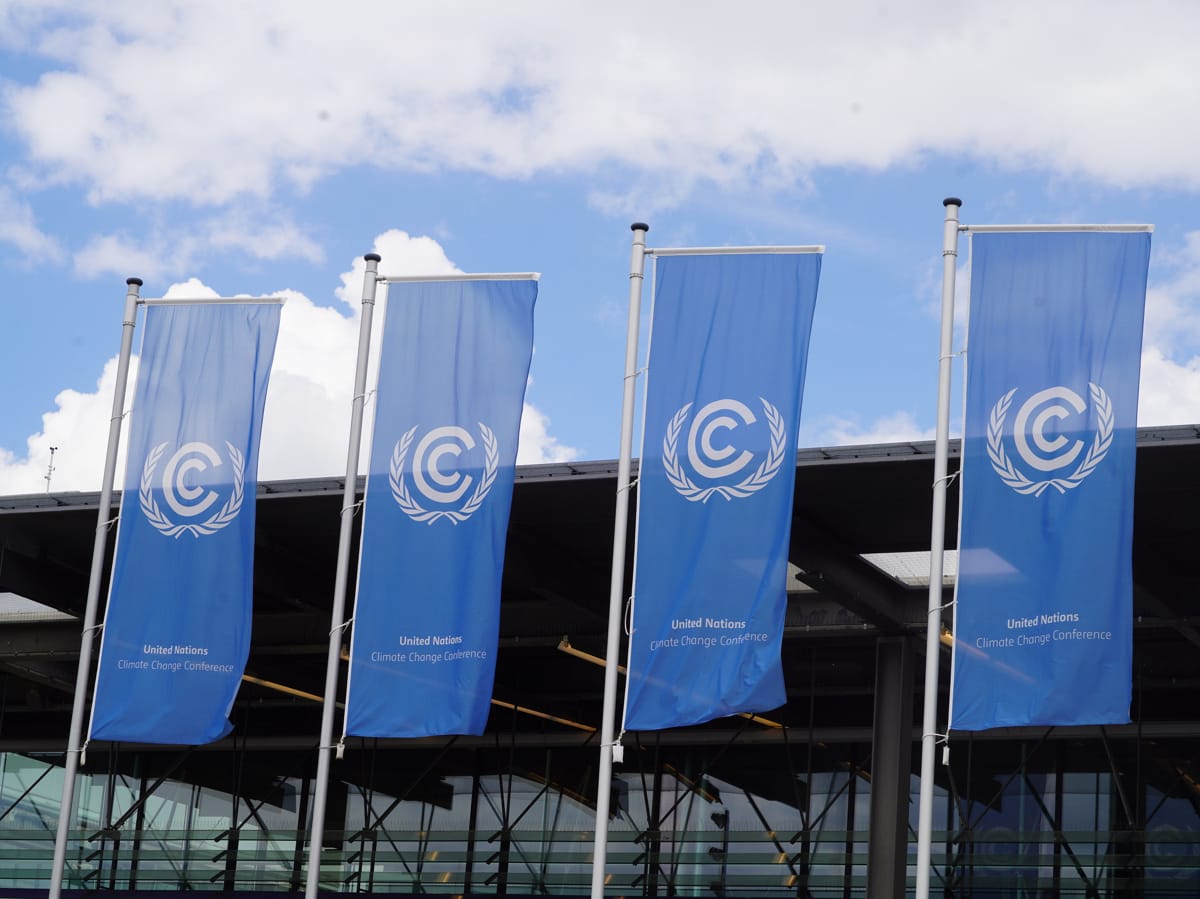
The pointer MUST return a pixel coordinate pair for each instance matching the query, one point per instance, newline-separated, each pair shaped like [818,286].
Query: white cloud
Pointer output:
[1170,391]
[1170,381]
[208,101]
[270,237]
[405,255]
[899,427]
[307,417]
[172,250]
[1173,304]
[120,254]
[78,429]
[19,228]
[537,444]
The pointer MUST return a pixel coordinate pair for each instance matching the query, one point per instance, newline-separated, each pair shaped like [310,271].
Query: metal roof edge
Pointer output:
[548,472]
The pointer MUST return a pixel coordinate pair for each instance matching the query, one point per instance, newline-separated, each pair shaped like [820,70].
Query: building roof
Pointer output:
[850,502]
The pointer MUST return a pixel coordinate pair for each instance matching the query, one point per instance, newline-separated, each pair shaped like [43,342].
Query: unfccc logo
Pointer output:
[186,498]
[436,476]
[1039,450]
[712,454]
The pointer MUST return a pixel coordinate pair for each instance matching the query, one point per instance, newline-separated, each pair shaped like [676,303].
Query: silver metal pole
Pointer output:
[624,466]
[83,672]
[337,618]
[937,543]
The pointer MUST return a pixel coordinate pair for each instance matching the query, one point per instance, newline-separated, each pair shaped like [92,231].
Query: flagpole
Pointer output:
[624,466]
[337,617]
[82,673]
[937,541]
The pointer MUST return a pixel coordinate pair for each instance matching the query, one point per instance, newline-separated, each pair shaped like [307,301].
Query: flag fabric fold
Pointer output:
[1043,612]
[729,345]
[177,625]
[454,364]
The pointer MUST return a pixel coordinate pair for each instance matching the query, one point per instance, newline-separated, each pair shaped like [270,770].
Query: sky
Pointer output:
[256,148]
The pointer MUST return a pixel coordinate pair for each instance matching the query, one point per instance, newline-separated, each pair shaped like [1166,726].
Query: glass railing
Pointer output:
[520,862]
[524,862]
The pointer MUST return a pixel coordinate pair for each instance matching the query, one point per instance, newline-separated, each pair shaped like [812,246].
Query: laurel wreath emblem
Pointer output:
[210,525]
[1014,478]
[417,512]
[766,470]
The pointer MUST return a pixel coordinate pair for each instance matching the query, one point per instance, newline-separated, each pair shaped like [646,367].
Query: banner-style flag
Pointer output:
[729,344]
[454,363]
[1043,618]
[177,625]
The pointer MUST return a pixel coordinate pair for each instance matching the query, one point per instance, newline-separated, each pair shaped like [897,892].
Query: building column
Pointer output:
[891,768]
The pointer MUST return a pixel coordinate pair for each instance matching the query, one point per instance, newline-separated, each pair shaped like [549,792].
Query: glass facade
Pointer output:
[810,803]
[1032,818]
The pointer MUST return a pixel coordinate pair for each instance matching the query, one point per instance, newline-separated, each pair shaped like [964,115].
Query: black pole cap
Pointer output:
[373,257]
[639,226]
[952,201]
[132,281]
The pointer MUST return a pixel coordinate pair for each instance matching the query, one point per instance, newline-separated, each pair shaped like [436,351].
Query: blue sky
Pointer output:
[263,148]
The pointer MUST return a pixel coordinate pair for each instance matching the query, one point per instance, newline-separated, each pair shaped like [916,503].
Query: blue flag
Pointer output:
[454,362]
[177,625]
[1043,619]
[729,343]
